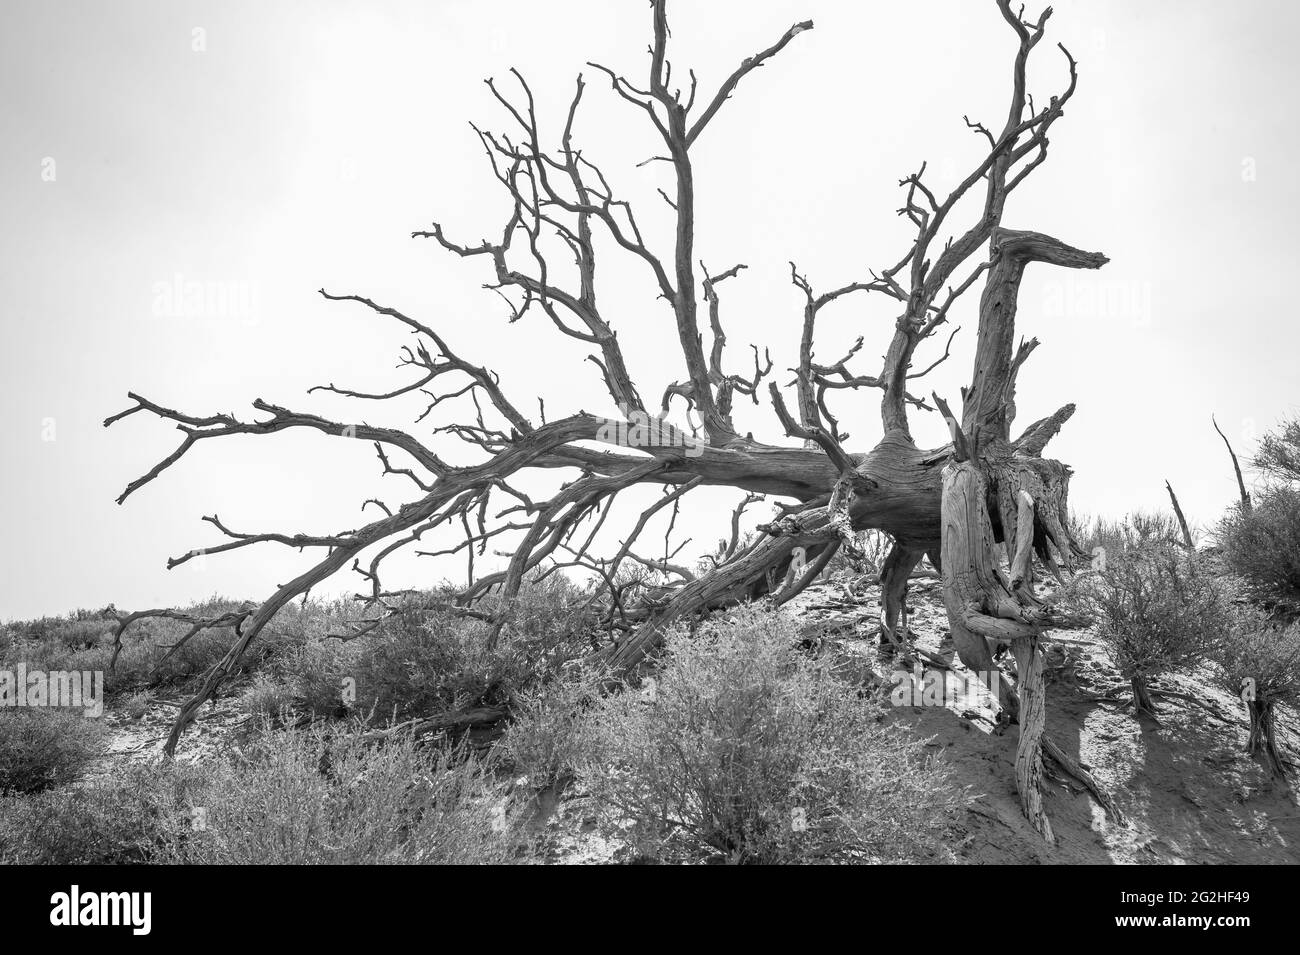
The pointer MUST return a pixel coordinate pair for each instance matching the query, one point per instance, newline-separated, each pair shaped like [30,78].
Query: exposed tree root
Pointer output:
[1073,769]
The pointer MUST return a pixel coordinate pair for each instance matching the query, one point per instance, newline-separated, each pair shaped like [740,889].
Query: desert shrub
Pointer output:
[305,621]
[751,751]
[153,666]
[310,675]
[548,622]
[80,633]
[78,630]
[1080,527]
[137,704]
[1260,663]
[76,642]
[425,663]
[1278,455]
[424,659]
[296,626]
[1138,530]
[312,797]
[267,700]
[1262,545]
[85,642]
[433,660]
[315,676]
[307,680]
[122,821]
[1158,610]
[43,748]
[546,738]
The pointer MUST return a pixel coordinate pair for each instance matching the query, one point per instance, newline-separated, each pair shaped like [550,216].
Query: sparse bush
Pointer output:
[137,704]
[1138,530]
[313,797]
[80,641]
[1261,664]
[1158,610]
[753,751]
[152,666]
[428,661]
[80,633]
[84,642]
[43,748]
[308,678]
[295,797]
[1279,452]
[1262,545]
[312,620]
[315,676]
[267,700]
[123,821]
[425,663]
[546,737]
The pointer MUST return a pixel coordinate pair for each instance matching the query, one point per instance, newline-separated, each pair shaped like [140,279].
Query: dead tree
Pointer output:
[1262,664]
[1236,468]
[1188,543]
[991,489]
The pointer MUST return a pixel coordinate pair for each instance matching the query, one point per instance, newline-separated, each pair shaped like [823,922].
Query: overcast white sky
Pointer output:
[305,141]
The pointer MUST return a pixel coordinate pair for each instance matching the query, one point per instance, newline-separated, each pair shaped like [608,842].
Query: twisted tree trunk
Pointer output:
[1033,720]
[1262,741]
[993,492]
[1143,705]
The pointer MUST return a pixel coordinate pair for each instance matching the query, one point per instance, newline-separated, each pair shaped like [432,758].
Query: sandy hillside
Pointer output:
[1188,792]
